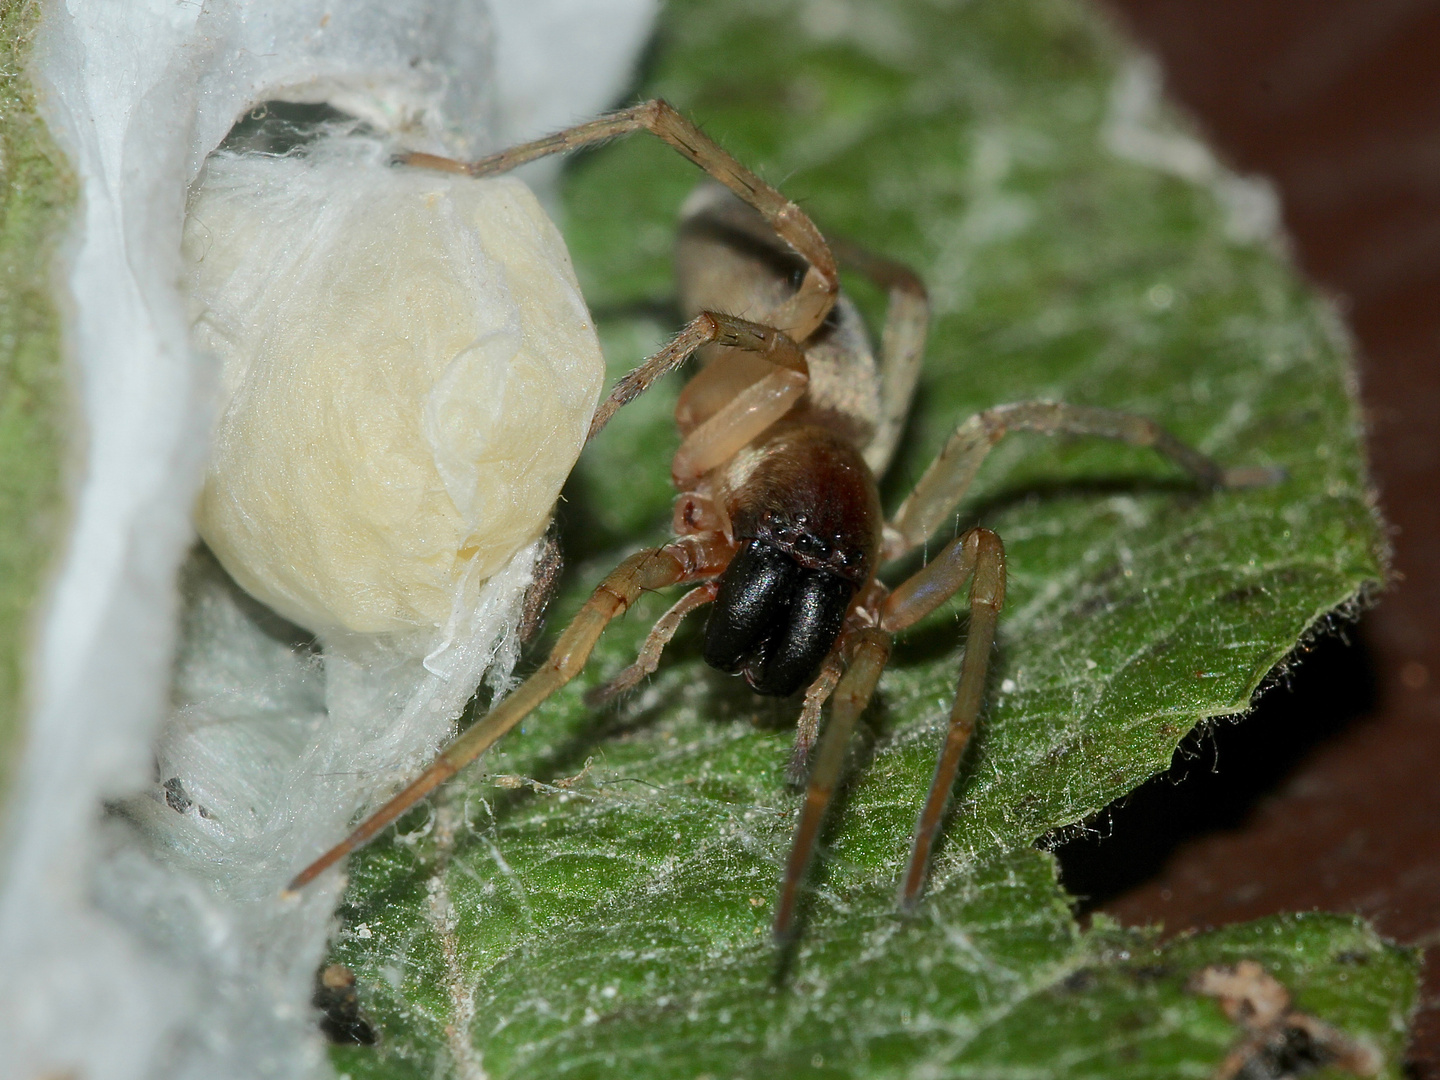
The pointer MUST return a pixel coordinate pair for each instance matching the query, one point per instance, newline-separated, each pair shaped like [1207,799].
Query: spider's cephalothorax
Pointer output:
[778,523]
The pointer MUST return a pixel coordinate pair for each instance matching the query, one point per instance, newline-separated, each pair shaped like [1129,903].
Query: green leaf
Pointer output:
[36,194]
[619,921]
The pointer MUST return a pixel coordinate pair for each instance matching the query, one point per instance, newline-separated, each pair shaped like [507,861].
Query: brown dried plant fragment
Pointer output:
[1279,1042]
[341,1020]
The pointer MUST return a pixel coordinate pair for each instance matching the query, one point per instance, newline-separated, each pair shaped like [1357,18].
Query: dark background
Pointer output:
[1327,796]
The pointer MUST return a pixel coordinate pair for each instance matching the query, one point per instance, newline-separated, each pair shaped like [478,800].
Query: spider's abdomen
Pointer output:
[806,514]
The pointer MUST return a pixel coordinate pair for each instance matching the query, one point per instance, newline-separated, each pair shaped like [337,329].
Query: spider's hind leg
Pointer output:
[902,344]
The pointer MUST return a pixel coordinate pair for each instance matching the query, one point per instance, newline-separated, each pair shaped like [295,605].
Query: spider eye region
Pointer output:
[774,620]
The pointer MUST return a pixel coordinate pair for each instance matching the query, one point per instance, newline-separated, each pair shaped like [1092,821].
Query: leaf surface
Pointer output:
[619,921]
[36,193]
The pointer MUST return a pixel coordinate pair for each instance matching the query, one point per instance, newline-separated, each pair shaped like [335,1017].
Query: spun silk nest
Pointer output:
[364,386]
[408,373]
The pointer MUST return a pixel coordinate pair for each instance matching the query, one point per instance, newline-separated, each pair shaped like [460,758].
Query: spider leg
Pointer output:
[685,559]
[660,635]
[868,655]
[950,474]
[806,310]
[748,413]
[808,727]
[902,343]
[743,418]
[979,557]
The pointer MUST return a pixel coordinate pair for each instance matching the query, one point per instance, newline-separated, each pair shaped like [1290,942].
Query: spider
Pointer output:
[778,524]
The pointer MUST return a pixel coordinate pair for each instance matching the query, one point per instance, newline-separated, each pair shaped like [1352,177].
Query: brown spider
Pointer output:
[778,521]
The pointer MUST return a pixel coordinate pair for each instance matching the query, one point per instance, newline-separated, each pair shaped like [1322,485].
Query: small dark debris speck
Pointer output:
[1242,595]
[1352,957]
[1079,982]
[1149,973]
[175,796]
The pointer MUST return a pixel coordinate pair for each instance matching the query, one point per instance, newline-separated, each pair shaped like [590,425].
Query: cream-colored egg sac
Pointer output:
[408,370]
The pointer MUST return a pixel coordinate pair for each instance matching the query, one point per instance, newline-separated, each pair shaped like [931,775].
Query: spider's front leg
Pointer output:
[806,310]
[649,658]
[690,558]
[767,400]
